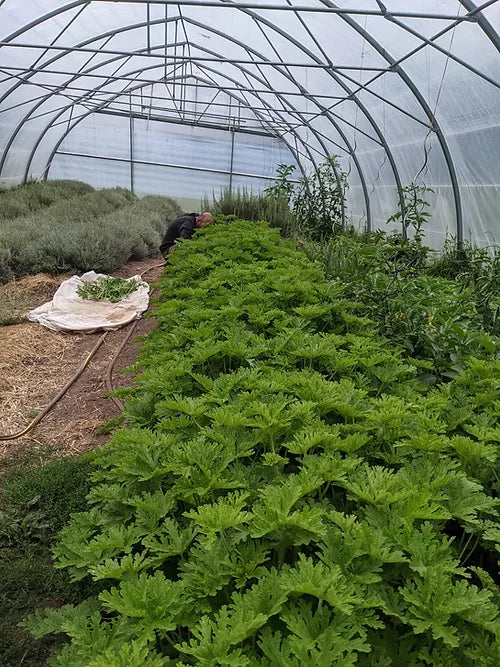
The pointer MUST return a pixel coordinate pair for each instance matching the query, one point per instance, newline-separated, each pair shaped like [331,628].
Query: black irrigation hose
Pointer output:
[74,378]
[109,370]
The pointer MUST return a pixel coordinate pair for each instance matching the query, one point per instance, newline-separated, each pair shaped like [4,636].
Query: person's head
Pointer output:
[204,219]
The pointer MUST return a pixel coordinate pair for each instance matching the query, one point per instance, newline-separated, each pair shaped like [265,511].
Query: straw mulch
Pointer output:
[36,362]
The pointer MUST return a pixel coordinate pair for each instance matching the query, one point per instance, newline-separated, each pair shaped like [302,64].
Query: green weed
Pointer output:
[36,501]
[247,205]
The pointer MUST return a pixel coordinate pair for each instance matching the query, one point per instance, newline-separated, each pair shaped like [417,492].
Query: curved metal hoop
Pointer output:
[474,12]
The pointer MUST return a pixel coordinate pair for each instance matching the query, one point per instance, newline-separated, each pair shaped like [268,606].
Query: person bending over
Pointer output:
[183,228]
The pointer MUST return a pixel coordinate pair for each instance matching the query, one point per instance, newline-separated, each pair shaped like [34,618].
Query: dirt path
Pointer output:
[36,362]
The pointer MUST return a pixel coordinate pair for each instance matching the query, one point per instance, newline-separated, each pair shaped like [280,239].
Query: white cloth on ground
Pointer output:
[69,312]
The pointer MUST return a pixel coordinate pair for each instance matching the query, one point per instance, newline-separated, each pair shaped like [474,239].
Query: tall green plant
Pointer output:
[282,189]
[319,203]
[413,213]
[245,204]
[477,269]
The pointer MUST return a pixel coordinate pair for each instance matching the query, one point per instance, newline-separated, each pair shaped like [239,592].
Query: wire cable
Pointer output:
[433,119]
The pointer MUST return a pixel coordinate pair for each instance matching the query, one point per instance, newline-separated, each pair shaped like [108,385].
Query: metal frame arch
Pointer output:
[482,21]
[351,95]
[45,17]
[225,36]
[141,85]
[433,124]
[253,75]
[75,76]
[133,89]
[34,24]
[125,90]
[88,113]
[72,78]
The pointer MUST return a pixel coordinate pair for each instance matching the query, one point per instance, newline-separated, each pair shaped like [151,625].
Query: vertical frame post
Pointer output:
[232,160]
[131,145]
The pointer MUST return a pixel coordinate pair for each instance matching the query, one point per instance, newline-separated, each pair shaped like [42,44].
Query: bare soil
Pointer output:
[36,362]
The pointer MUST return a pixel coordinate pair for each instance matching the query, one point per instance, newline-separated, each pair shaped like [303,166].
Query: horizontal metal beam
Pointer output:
[222,119]
[138,99]
[162,81]
[173,57]
[162,119]
[288,8]
[445,52]
[97,94]
[168,165]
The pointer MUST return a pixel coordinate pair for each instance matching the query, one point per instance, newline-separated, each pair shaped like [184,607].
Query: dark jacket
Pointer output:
[181,228]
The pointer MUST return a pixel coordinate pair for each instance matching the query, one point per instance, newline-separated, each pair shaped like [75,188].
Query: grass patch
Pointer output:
[13,306]
[58,488]
[36,501]
[20,295]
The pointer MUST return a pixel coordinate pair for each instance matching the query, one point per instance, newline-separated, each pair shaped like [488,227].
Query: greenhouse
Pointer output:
[301,466]
[174,98]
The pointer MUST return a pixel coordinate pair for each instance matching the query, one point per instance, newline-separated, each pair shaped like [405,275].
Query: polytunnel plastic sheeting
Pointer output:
[98,173]
[188,96]
[187,162]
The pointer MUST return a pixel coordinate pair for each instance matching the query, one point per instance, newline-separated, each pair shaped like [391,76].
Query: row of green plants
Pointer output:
[441,306]
[78,228]
[289,489]
[432,317]
[313,205]
[438,306]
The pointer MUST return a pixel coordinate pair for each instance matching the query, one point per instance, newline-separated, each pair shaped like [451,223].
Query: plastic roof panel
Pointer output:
[403,91]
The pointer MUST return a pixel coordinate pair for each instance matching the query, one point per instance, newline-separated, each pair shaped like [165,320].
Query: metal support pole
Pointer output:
[131,146]
[231,129]
[148,27]
[175,57]
[320,9]
[92,75]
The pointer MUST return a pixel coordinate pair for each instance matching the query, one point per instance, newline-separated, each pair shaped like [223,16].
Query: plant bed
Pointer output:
[289,489]
[98,230]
